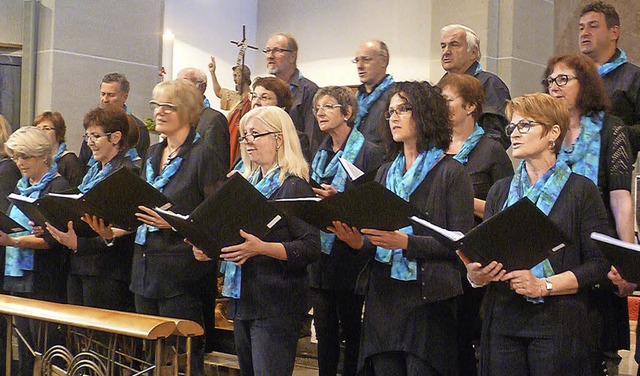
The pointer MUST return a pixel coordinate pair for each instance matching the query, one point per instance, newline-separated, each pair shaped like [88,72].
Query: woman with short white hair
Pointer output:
[35,267]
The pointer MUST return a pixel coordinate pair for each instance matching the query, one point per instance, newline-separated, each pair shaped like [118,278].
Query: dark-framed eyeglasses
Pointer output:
[251,137]
[164,106]
[275,50]
[560,80]
[93,137]
[326,107]
[401,110]
[524,126]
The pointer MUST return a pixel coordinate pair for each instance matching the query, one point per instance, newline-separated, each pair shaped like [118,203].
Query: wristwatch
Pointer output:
[548,285]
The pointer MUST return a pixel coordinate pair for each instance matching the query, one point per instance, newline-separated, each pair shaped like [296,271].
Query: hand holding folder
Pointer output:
[519,237]
[217,221]
[623,255]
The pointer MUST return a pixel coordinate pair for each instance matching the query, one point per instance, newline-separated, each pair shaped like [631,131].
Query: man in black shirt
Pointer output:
[461,54]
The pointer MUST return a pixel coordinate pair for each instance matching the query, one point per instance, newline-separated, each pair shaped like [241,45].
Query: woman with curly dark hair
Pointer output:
[411,281]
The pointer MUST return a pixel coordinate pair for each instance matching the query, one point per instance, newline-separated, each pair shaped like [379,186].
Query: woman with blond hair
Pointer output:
[267,279]
[535,321]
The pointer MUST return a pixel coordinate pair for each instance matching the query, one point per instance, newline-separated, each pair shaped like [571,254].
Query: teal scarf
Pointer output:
[61,149]
[232,272]
[159,182]
[611,65]
[320,170]
[403,185]
[583,156]
[17,260]
[544,194]
[95,175]
[365,102]
[469,144]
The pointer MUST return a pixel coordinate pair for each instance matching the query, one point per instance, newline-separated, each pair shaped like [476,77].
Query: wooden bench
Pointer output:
[113,323]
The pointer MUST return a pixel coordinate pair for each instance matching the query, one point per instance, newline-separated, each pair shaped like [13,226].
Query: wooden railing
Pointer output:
[112,324]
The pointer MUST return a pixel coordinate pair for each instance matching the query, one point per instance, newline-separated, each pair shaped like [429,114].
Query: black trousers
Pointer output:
[336,312]
[267,346]
[185,306]
[398,363]
[99,292]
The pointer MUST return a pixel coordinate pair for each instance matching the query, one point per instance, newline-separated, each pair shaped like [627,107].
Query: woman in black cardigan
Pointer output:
[411,281]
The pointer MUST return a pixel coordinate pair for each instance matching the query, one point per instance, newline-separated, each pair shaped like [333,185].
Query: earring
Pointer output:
[345,119]
[469,113]
[552,144]
[114,144]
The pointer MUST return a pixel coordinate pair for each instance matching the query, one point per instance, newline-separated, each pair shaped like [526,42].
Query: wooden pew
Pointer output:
[152,328]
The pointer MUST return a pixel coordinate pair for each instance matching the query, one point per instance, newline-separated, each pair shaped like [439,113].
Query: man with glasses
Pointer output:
[461,54]
[281,57]
[371,60]
[114,91]
[212,125]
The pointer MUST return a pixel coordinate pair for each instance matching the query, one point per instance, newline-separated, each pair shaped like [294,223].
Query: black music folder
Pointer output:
[217,221]
[9,226]
[367,205]
[520,237]
[115,199]
[623,255]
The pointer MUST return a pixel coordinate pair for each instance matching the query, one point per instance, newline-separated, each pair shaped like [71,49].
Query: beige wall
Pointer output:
[566,20]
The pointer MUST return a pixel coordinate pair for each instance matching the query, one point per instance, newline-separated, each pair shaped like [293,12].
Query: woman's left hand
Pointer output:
[387,239]
[240,253]
[523,282]
[68,239]
[151,218]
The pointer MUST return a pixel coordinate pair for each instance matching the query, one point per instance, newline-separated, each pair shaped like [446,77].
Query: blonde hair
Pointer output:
[542,108]
[185,96]
[30,141]
[289,155]
[5,132]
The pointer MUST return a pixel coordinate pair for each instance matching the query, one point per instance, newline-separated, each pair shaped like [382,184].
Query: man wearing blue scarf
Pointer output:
[461,54]
[371,60]
[598,39]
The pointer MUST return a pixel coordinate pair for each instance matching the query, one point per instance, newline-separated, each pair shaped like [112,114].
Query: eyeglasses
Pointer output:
[165,107]
[275,50]
[262,98]
[400,111]
[95,137]
[251,137]
[364,59]
[523,126]
[17,158]
[326,107]
[45,128]
[560,80]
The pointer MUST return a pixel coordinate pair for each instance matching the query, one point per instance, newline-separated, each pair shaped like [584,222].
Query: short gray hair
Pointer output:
[471,36]
[30,141]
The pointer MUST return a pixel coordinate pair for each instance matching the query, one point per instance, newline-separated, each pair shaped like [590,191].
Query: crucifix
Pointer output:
[243,45]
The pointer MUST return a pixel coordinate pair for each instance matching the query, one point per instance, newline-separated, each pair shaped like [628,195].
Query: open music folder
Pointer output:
[217,221]
[367,205]
[115,199]
[623,255]
[9,226]
[520,237]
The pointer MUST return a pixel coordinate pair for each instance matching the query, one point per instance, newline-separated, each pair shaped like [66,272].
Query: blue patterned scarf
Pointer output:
[232,272]
[544,194]
[320,170]
[366,101]
[478,69]
[403,184]
[469,144]
[611,65]
[158,182]
[583,156]
[132,154]
[17,260]
[206,103]
[61,149]
[95,175]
